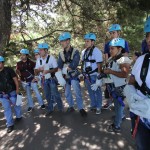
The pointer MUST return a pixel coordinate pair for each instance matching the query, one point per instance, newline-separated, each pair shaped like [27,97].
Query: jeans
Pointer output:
[95,96]
[50,85]
[6,103]
[27,87]
[142,137]
[118,113]
[77,90]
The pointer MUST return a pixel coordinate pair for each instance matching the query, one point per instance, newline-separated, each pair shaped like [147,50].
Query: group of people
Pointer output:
[48,72]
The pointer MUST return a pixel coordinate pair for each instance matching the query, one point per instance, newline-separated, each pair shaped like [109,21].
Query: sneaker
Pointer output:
[83,113]
[70,109]
[48,113]
[92,109]
[98,111]
[123,118]
[18,119]
[106,106]
[43,106]
[10,129]
[30,109]
[113,128]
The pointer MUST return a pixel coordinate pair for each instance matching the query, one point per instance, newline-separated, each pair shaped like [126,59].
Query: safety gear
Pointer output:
[43,46]
[124,60]
[114,27]
[24,51]
[117,42]
[60,78]
[64,36]
[95,86]
[143,74]
[147,26]
[48,75]
[90,36]
[2,59]
[70,58]
[36,51]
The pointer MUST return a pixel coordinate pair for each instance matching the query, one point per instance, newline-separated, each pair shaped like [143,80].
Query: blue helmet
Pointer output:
[114,27]
[64,36]
[36,51]
[24,51]
[2,59]
[90,36]
[43,46]
[147,26]
[117,42]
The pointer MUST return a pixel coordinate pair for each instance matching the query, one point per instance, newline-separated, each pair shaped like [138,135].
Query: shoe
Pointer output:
[123,118]
[70,109]
[113,128]
[30,109]
[83,113]
[98,111]
[48,113]
[18,119]
[106,106]
[43,106]
[92,109]
[10,129]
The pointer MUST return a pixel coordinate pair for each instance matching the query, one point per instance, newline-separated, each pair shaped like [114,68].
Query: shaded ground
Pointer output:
[63,131]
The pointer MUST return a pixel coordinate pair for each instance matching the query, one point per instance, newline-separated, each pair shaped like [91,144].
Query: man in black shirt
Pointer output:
[9,88]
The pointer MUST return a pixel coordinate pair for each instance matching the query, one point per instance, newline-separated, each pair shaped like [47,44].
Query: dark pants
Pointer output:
[142,137]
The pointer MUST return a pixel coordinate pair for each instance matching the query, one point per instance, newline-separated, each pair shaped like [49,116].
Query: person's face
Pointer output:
[114,51]
[148,40]
[65,44]
[43,52]
[89,43]
[114,34]
[23,57]
[1,65]
[36,55]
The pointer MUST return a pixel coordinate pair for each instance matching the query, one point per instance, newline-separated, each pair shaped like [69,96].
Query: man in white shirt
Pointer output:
[46,66]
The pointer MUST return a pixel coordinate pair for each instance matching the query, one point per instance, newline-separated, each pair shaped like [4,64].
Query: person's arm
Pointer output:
[17,84]
[125,68]
[99,65]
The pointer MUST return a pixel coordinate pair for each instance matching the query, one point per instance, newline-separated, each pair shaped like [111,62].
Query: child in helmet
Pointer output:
[91,69]
[118,70]
[114,31]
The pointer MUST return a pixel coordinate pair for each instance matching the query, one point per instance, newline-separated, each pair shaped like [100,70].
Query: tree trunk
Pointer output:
[5,22]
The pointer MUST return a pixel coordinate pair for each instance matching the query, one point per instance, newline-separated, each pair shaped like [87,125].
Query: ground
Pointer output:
[63,131]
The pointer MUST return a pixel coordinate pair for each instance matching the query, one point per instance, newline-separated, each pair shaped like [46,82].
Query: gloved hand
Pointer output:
[64,70]
[60,78]
[141,108]
[95,86]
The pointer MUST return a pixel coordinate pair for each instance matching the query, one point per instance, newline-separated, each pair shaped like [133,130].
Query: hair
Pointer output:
[122,49]
[147,34]
[137,53]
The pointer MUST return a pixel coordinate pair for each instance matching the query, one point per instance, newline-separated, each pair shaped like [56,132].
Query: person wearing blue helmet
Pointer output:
[117,69]
[114,31]
[9,88]
[25,71]
[68,62]
[91,69]
[46,66]
[137,93]
[146,42]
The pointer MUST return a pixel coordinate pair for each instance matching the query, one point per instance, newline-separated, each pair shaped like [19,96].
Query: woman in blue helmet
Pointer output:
[114,31]
[146,42]
[118,69]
